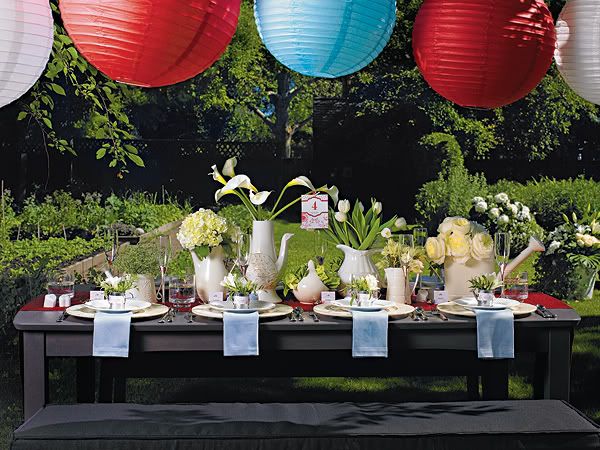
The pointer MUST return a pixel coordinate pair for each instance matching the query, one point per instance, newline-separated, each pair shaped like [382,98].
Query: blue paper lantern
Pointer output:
[325,38]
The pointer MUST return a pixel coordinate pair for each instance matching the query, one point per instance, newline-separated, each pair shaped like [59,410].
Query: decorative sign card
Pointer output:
[315,211]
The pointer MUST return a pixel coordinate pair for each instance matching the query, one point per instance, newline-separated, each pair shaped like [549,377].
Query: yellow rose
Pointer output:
[459,246]
[482,246]
[436,249]
[461,225]
[445,227]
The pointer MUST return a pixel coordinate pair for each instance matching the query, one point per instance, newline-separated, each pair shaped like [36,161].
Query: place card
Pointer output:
[327,296]
[50,301]
[64,301]
[96,295]
[315,212]
[216,296]
[440,297]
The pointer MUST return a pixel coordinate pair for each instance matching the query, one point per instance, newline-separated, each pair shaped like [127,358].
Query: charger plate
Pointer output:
[394,311]
[278,312]
[155,310]
[520,310]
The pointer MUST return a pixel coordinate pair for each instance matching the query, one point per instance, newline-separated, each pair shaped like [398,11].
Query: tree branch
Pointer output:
[300,125]
[262,116]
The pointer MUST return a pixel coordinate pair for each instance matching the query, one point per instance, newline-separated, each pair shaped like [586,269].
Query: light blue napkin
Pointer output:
[495,334]
[369,334]
[240,334]
[111,334]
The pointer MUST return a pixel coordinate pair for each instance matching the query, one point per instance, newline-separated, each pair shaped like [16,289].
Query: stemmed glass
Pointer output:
[502,252]
[242,256]
[419,237]
[164,257]
[320,247]
[111,249]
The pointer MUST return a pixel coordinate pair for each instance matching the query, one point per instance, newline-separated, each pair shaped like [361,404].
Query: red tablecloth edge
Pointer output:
[535,298]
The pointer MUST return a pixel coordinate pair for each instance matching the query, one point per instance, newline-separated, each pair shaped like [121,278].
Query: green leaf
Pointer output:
[22,115]
[136,159]
[100,153]
[47,122]
[58,89]
[131,149]
[202,252]
[371,236]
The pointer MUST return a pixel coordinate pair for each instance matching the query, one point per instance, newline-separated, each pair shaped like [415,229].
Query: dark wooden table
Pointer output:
[295,349]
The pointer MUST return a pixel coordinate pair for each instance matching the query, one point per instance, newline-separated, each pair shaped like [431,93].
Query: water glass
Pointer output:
[242,249]
[420,236]
[182,291]
[502,252]
[406,240]
[517,288]
[62,284]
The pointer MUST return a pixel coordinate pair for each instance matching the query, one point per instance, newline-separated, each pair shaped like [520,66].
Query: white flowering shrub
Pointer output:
[497,213]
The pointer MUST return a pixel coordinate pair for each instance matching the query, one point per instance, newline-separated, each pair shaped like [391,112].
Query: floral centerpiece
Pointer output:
[465,249]
[240,287]
[203,233]
[483,288]
[569,267]
[362,286]
[356,233]
[398,261]
[116,287]
[497,213]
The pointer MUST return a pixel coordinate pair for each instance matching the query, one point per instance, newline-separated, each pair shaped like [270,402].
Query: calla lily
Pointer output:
[221,193]
[333,192]
[260,197]
[217,175]
[239,182]
[229,167]
[301,181]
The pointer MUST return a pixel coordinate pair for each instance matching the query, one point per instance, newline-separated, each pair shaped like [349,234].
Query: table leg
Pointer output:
[106,388]
[494,380]
[473,387]
[35,373]
[557,374]
[86,380]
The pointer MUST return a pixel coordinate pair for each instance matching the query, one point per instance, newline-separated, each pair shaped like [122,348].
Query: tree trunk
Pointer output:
[282,131]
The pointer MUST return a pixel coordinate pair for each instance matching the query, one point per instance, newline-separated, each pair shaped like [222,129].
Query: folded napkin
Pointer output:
[495,334]
[111,334]
[240,334]
[369,334]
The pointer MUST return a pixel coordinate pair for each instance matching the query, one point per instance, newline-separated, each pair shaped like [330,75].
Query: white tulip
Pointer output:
[344,206]
[341,217]
[400,223]
[386,233]
[361,207]
[229,167]
[377,208]
[260,197]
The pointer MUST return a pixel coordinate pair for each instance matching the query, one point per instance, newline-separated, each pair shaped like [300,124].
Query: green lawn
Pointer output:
[585,387]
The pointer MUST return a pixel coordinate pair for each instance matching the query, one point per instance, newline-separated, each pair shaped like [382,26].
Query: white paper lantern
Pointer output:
[26,37]
[578,47]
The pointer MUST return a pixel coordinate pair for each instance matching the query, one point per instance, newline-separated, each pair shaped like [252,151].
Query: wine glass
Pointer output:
[164,257]
[502,252]
[111,247]
[321,247]
[242,250]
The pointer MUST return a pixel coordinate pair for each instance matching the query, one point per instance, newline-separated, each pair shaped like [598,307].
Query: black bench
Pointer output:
[532,424]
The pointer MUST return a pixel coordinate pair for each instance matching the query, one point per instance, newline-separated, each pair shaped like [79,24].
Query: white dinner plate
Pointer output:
[228,306]
[378,305]
[130,306]
[499,303]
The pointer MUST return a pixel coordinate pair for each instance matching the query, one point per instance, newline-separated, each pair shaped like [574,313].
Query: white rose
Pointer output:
[458,225]
[372,282]
[436,249]
[481,207]
[400,223]
[482,246]
[459,246]
[446,226]
[501,198]
[503,219]
[341,216]
[494,213]
[377,208]
[344,206]
[386,233]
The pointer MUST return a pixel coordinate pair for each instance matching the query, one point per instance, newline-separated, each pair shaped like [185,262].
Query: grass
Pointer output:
[585,387]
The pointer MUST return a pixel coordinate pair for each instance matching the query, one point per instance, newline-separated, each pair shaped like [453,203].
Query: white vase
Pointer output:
[144,288]
[457,275]
[356,262]
[398,287]
[310,287]
[210,271]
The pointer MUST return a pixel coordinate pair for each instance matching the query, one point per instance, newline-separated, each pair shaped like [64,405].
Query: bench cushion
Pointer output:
[539,424]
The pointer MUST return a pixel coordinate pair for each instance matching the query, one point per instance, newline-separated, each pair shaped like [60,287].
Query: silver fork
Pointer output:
[436,312]
[62,316]
[163,318]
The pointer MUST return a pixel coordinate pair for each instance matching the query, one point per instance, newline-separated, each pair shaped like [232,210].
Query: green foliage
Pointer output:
[549,199]
[485,282]
[238,215]
[181,264]
[561,277]
[8,217]
[140,259]
[327,273]
[452,192]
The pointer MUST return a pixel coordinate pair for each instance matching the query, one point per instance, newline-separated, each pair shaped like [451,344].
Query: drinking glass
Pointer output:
[321,245]
[406,240]
[517,288]
[60,284]
[502,252]
[164,257]
[182,291]
[242,249]
[420,236]
[111,247]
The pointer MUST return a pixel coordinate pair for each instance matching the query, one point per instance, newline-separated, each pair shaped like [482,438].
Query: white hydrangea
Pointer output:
[202,228]
[481,206]
[494,213]
[554,245]
[514,209]
[503,219]
[501,198]
[478,200]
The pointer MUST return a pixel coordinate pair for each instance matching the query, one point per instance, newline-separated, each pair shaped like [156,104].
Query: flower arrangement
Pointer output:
[497,213]
[368,283]
[201,231]
[358,229]
[239,285]
[396,255]
[485,282]
[461,239]
[117,284]
[327,273]
[253,199]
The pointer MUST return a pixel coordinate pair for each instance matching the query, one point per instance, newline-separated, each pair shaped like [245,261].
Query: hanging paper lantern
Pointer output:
[483,53]
[578,47]
[26,37]
[151,43]
[325,38]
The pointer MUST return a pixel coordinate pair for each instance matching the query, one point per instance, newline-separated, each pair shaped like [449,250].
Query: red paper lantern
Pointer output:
[151,43]
[483,53]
